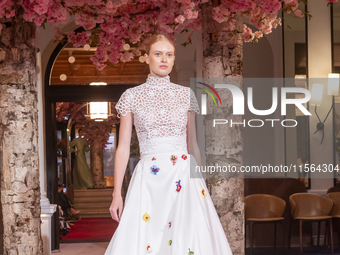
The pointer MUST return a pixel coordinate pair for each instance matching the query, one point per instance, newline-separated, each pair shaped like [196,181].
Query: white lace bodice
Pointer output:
[160,111]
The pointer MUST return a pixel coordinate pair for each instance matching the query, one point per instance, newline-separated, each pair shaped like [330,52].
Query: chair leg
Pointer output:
[283,234]
[289,233]
[325,241]
[300,236]
[274,236]
[319,225]
[311,234]
[331,232]
[251,237]
[245,239]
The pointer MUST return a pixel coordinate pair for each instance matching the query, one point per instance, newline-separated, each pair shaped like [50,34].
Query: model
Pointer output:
[166,212]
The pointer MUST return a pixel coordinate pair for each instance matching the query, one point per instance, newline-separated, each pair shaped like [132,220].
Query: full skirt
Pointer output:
[166,212]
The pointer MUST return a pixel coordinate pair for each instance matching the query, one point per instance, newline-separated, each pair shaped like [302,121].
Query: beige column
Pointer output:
[319,65]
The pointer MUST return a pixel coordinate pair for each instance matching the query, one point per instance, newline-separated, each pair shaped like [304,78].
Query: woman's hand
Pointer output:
[117,204]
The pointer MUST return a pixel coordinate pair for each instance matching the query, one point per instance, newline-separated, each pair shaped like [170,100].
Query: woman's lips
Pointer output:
[163,66]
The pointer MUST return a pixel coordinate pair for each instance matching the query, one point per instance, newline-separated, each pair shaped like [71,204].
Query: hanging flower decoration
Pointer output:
[184,157]
[154,170]
[146,217]
[178,186]
[203,192]
[173,158]
[113,24]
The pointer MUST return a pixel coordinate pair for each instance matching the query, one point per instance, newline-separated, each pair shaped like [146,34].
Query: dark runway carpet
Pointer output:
[90,230]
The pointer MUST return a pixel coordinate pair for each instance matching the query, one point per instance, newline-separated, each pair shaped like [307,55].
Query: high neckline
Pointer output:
[158,81]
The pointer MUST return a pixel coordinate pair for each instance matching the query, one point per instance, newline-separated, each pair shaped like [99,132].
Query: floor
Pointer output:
[99,249]
[295,251]
[81,249]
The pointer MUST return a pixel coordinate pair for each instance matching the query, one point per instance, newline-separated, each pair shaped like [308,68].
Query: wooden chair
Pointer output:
[335,196]
[263,208]
[310,207]
[333,189]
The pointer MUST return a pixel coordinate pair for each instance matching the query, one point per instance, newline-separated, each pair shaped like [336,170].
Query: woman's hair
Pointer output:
[80,130]
[157,38]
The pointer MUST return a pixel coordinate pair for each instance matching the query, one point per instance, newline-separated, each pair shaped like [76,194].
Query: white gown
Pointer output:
[166,212]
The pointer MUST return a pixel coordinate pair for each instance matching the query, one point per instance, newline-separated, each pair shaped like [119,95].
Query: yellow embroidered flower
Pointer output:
[169,242]
[203,192]
[146,217]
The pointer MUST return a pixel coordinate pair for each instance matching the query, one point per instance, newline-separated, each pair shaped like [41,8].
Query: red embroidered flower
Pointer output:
[173,158]
[153,159]
[178,186]
[184,157]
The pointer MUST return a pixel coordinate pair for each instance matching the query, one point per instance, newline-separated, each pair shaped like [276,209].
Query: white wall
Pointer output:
[263,145]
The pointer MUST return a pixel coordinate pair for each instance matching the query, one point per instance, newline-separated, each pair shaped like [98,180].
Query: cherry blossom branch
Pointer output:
[116,23]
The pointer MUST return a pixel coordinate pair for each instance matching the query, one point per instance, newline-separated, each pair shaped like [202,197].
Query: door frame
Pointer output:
[66,93]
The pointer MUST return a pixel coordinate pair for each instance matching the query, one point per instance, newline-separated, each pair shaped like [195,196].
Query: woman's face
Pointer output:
[160,59]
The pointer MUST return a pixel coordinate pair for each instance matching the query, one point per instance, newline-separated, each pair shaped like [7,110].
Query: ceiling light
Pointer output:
[87,47]
[98,83]
[126,46]
[71,59]
[63,77]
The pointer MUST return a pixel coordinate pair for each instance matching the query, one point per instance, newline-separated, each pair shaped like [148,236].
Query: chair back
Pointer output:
[333,189]
[262,206]
[335,196]
[309,205]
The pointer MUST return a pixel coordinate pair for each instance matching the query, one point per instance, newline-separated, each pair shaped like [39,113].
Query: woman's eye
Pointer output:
[157,54]
[170,55]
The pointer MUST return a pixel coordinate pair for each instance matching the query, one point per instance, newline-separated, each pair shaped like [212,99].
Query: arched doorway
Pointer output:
[76,89]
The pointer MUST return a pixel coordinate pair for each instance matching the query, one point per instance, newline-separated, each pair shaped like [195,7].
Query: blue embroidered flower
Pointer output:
[154,170]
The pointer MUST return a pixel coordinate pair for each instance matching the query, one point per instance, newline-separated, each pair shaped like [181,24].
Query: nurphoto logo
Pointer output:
[239,103]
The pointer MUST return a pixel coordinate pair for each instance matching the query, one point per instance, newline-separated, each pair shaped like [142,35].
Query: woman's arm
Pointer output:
[121,160]
[122,152]
[192,144]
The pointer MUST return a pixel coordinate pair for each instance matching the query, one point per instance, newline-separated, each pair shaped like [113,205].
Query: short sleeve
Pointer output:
[193,102]
[124,104]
